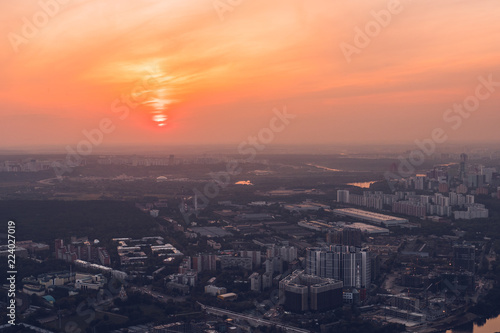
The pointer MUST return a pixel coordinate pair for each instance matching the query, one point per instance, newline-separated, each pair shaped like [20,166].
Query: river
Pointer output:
[491,326]
[363,184]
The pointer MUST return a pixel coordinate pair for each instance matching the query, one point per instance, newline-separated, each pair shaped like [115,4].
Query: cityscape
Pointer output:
[215,166]
[408,254]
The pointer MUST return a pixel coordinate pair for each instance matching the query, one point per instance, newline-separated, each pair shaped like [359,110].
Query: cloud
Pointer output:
[263,53]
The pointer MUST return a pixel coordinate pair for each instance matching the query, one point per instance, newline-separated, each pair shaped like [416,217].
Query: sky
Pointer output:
[173,72]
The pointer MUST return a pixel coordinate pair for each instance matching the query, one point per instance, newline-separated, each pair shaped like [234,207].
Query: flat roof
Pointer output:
[371,229]
[369,215]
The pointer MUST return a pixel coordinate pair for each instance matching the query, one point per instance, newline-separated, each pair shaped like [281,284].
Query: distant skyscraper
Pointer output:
[463,167]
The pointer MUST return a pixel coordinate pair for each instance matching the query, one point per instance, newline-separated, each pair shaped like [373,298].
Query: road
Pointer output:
[158,296]
[250,319]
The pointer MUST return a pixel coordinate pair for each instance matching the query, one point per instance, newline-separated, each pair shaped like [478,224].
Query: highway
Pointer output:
[250,319]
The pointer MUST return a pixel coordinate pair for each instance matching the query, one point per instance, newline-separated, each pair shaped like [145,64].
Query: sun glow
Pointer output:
[158,95]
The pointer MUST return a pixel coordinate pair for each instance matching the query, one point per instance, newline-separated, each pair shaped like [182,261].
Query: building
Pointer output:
[90,282]
[274,265]
[369,229]
[349,264]
[305,207]
[104,257]
[82,249]
[370,216]
[405,315]
[482,191]
[300,292]
[345,236]
[256,257]
[474,211]
[409,208]
[286,253]
[462,189]
[343,196]
[267,281]
[204,262]
[213,244]
[33,289]
[464,257]
[179,287]
[368,199]
[351,296]
[443,188]
[215,291]
[233,261]
[34,248]
[255,282]
[315,225]
[56,279]
[462,173]
[406,303]
[228,297]
[187,279]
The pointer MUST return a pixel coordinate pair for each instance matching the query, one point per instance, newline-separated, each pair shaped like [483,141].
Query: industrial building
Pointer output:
[377,218]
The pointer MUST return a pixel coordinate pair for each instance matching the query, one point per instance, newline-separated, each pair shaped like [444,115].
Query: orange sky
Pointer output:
[218,75]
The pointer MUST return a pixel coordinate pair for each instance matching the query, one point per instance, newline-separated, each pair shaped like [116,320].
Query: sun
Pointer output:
[158,95]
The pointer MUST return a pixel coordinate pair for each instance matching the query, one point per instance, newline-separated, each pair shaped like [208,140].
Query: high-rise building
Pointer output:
[343,196]
[464,257]
[462,174]
[255,282]
[469,199]
[443,188]
[349,264]
[285,252]
[255,255]
[204,262]
[267,281]
[274,265]
[419,182]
